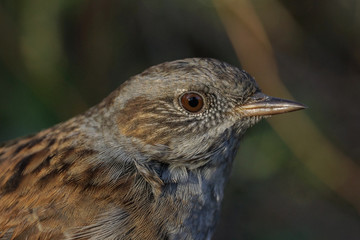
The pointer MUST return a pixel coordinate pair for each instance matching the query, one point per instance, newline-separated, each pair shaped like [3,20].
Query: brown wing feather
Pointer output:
[48,187]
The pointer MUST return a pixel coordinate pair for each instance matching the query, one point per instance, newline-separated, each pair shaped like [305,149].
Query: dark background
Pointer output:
[59,57]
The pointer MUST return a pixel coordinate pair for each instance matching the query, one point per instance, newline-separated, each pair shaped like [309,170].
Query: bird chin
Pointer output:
[248,122]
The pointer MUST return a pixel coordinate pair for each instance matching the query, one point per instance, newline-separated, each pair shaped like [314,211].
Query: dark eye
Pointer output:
[192,101]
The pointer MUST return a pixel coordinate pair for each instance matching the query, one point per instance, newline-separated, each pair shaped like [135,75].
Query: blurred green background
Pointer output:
[59,57]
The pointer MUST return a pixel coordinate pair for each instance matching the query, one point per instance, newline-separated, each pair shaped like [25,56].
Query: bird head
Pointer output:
[185,111]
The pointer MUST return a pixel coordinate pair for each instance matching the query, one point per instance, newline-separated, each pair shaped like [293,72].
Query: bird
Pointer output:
[150,161]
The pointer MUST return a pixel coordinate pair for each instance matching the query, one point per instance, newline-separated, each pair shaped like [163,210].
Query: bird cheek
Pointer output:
[136,120]
[146,133]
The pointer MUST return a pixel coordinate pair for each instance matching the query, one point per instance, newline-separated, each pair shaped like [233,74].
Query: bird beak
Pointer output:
[260,104]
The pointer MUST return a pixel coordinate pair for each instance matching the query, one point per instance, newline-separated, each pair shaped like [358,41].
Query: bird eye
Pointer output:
[192,101]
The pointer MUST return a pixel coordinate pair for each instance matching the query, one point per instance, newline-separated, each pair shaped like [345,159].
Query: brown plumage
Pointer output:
[142,164]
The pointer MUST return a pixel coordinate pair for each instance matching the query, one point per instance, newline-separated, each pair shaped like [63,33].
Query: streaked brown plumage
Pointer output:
[139,165]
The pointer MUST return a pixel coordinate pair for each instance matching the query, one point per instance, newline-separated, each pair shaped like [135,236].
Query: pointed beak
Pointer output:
[263,105]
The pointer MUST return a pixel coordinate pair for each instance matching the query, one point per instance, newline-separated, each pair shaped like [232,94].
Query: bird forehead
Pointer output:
[193,74]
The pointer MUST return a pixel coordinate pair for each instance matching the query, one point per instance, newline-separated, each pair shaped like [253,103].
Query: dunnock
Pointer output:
[149,162]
